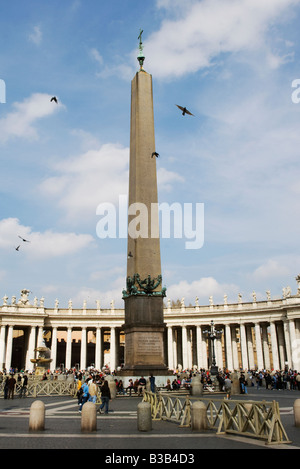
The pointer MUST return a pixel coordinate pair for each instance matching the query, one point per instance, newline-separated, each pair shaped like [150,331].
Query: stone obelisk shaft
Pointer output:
[143,223]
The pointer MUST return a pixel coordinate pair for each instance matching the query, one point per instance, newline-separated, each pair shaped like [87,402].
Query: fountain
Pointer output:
[42,361]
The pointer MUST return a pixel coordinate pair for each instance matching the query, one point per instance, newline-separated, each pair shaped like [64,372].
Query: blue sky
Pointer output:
[231,62]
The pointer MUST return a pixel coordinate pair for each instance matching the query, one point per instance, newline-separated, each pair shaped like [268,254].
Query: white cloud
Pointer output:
[41,245]
[86,180]
[206,29]
[94,177]
[36,35]
[20,122]
[166,179]
[202,288]
[96,56]
[272,268]
[105,296]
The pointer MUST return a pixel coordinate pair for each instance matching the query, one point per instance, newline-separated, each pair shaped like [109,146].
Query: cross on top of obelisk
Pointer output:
[141,56]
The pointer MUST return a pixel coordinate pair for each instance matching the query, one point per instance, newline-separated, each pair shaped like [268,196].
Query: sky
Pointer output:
[235,64]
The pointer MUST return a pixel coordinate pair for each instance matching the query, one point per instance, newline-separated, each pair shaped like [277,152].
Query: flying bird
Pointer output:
[25,240]
[17,248]
[184,110]
[129,254]
[155,154]
[54,98]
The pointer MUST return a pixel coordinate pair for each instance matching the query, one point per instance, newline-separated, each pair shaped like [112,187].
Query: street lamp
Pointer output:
[213,334]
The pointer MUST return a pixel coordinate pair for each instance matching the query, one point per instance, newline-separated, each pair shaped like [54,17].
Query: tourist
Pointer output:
[120,387]
[227,386]
[93,391]
[152,383]
[105,397]
[297,379]
[79,390]
[23,389]
[85,395]
[243,384]
[130,386]
[6,387]
[136,385]
[142,385]
[11,387]
[168,385]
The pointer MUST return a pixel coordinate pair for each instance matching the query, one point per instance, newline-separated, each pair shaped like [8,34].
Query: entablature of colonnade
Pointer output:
[22,317]
[259,312]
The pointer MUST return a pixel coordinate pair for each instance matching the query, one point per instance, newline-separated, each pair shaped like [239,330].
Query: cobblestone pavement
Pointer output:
[117,433]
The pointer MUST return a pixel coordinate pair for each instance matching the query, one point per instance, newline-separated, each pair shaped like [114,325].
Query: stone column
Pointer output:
[40,338]
[199,347]
[31,347]
[281,346]
[184,348]
[174,348]
[259,352]
[112,348]
[2,346]
[244,347]
[9,344]
[53,349]
[170,348]
[98,351]
[189,348]
[204,351]
[274,345]
[236,363]
[218,351]
[69,348]
[287,342]
[229,362]
[83,348]
[250,347]
[294,345]
[267,362]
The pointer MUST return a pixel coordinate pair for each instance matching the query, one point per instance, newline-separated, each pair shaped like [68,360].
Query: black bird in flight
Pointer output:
[25,240]
[184,110]
[17,248]
[155,154]
[54,98]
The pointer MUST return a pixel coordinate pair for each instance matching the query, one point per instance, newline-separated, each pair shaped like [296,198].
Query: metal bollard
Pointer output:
[144,417]
[297,412]
[37,416]
[198,417]
[89,417]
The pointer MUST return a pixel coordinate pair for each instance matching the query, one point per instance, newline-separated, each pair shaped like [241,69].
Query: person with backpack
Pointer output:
[85,395]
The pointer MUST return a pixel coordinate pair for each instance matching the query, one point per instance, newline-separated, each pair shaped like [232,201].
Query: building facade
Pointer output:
[255,335]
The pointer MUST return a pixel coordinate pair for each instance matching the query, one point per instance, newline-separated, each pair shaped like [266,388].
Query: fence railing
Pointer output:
[36,388]
[256,419]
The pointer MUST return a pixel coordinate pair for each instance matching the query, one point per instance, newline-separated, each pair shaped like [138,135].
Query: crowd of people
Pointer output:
[89,381]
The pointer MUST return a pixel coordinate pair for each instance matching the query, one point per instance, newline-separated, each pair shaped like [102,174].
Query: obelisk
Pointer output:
[144,326]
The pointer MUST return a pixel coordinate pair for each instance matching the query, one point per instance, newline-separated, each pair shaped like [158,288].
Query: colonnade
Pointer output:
[258,335]
[272,345]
